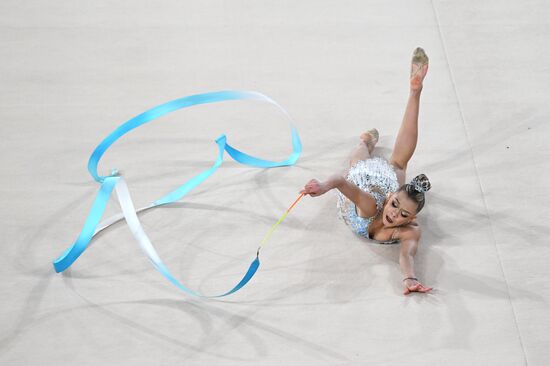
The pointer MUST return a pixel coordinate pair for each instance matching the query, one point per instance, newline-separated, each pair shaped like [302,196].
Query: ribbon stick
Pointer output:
[92,226]
[272,229]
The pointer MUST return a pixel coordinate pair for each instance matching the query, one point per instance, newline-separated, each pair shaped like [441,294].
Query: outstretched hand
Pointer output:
[415,286]
[314,188]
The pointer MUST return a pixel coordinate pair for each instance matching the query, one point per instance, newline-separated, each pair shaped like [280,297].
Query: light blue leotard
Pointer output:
[375,176]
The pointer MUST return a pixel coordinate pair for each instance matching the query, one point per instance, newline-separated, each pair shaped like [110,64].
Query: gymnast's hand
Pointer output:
[315,188]
[415,286]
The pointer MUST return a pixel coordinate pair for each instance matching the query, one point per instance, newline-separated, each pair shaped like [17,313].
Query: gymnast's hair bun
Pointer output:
[421,183]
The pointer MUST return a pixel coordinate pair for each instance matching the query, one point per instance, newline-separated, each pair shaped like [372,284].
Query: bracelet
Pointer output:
[410,278]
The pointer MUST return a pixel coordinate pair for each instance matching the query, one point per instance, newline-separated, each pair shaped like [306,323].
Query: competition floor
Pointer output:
[72,71]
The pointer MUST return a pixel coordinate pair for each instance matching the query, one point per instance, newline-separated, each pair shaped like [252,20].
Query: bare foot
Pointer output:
[419,68]
[370,138]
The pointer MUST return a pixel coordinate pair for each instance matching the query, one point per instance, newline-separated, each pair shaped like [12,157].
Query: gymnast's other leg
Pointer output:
[405,143]
[365,147]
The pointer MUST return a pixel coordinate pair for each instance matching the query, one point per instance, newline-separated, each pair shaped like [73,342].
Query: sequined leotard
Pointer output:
[376,177]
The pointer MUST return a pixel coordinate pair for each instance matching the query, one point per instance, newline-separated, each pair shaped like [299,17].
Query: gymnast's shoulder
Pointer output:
[410,231]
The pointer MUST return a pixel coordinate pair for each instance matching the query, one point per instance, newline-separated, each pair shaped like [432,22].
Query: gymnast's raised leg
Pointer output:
[405,143]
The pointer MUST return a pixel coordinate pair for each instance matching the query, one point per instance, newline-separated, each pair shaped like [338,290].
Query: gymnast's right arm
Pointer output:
[364,201]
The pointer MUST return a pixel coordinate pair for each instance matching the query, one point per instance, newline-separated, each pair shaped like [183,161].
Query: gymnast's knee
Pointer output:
[398,165]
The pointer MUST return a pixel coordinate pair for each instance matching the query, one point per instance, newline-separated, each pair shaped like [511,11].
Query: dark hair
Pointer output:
[415,190]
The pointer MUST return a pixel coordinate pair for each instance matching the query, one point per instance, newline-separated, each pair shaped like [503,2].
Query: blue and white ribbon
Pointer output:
[92,226]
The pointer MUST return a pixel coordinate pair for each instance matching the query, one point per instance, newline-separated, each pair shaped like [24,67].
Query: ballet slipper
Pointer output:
[372,140]
[375,136]
[419,68]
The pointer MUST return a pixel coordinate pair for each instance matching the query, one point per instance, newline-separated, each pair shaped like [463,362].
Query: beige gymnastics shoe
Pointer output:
[370,138]
[419,68]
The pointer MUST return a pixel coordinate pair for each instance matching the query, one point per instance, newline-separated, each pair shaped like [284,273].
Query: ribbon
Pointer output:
[92,226]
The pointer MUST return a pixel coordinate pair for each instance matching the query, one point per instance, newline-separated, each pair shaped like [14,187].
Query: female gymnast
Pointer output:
[373,198]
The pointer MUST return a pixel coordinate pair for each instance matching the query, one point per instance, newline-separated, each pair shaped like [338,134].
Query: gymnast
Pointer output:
[373,198]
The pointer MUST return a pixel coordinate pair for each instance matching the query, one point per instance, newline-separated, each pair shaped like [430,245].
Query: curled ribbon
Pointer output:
[92,225]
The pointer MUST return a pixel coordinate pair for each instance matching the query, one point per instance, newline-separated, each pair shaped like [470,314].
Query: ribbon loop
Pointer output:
[92,225]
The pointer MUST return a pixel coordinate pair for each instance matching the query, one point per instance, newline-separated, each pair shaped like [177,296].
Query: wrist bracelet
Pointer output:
[410,278]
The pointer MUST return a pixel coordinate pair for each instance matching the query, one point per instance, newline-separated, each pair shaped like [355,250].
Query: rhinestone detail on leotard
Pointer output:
[375,176]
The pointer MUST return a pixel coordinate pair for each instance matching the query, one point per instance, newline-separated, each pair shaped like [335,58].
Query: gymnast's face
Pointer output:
[399,210]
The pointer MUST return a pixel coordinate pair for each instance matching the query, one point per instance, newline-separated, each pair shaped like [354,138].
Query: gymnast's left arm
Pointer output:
[409,244]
